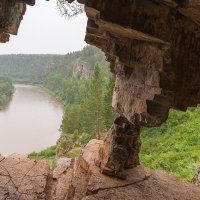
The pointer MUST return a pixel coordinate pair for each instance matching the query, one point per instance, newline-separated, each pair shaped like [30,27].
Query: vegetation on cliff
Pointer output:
[174,146]
[47,154]
[91,113]
[6,90]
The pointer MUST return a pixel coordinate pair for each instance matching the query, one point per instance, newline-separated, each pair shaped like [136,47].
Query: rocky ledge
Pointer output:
[81,179]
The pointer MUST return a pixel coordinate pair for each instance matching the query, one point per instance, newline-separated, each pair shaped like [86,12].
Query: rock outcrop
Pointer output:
[11,14]
[81,179]
[81,69]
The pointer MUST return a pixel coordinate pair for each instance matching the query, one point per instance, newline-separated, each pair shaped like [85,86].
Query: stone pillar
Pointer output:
[121,148]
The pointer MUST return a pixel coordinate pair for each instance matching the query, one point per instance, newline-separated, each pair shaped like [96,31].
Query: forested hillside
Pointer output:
[6,90]
[35,68]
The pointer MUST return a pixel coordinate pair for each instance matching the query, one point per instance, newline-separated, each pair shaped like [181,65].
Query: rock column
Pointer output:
[121,148]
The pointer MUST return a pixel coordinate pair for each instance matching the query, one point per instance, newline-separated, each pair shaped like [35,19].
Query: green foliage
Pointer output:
[90,117]
[94,114]
[69,90]
[74,152]
[6,90]
[93,104]
[174,146]
[48,154]
[108,111]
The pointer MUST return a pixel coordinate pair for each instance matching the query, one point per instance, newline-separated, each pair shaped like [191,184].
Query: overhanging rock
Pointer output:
[11,14]
[154,50]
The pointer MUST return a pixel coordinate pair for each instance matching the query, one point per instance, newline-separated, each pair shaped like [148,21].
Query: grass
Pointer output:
[48,154]
[175,146]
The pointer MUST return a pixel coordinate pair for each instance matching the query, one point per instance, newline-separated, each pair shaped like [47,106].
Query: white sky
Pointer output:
[44,31]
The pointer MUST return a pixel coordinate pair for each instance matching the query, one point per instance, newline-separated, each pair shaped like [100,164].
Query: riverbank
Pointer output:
[6,91]
[5,104]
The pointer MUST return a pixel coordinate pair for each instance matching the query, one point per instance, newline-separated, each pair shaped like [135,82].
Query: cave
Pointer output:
[154,49]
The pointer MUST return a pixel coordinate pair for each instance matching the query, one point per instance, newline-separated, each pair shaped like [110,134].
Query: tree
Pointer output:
[93,104]
[108,110]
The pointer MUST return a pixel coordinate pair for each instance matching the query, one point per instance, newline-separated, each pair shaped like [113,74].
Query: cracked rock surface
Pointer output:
[25,178]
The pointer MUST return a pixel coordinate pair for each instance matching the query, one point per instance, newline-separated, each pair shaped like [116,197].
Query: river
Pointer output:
[30,121]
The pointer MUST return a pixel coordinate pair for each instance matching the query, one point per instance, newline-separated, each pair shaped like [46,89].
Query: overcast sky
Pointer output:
[44,31]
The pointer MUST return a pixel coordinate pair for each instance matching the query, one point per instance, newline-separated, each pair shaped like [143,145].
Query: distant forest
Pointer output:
[33,69]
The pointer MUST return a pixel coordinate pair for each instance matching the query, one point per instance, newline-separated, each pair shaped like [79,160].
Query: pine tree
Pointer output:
[94,102]
[108,110]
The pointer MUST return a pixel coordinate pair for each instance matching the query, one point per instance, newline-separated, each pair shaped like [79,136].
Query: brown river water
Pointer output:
[30,121]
